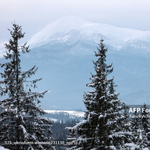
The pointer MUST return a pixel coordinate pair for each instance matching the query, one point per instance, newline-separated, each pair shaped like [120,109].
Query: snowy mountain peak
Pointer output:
[57,29]
[69,30]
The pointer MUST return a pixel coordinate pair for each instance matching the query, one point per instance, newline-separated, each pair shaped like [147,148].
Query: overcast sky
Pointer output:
[34,15]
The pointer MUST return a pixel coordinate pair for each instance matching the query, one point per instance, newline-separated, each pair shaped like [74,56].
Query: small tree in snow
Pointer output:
[135,125]
[103,127]
[145,121]
[20,119]
[145,127]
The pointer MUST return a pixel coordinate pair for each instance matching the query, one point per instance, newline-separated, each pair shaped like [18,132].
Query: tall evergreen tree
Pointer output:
[20,119]
[103,124]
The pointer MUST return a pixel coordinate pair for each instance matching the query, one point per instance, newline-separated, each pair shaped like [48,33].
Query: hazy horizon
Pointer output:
[35,15]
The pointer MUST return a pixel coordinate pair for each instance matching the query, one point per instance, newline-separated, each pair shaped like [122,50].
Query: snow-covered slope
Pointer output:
[70,30]
[72,113]
[2,148]
[65,115]
[58,31]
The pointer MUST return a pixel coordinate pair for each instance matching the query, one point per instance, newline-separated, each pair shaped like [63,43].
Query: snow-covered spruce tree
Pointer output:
[103,126]
[21,117]
[124,126]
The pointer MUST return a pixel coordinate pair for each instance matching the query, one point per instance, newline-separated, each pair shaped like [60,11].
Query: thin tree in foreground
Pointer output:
[20,119]
[103,127]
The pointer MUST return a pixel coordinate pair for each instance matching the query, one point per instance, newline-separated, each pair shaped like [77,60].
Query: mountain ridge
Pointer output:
[70,30]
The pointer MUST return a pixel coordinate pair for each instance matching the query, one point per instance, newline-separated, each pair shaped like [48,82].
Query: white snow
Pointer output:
[70,30]
[2,148]
[140,136]
[57,30]
[53,119]
[112,147]
[132,146]
[74,113]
